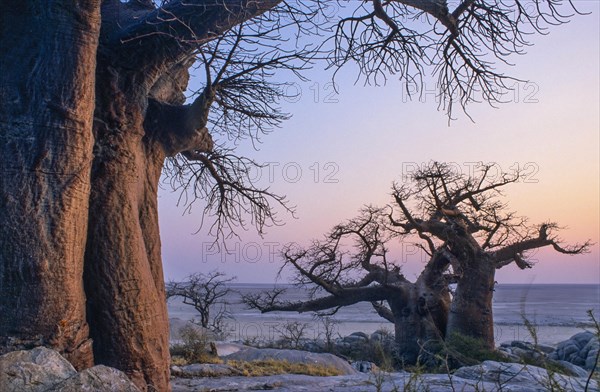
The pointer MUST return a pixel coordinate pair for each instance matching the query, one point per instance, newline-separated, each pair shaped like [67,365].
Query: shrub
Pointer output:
[194,348]
[460,350]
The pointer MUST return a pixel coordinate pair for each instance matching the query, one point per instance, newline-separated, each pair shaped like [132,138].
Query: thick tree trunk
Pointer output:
[46,108]
[123,270]
[471,310]
[420,316]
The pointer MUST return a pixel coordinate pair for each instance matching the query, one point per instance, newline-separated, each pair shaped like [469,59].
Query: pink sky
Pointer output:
[371,133]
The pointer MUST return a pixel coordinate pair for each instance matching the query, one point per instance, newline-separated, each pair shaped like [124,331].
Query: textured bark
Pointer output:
[46,109]
[471,311]
[123,269]
[420,315]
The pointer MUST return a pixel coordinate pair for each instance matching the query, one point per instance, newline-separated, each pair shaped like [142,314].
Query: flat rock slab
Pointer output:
[204,370]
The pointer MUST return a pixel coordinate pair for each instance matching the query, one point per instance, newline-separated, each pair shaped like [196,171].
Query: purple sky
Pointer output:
[339,152]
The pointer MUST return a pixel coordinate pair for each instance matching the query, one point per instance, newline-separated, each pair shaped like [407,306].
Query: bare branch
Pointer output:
[515,251]
[176,28]
[350,296]
[223,182]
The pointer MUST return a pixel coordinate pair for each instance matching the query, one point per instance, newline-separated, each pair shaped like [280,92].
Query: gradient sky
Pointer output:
[362,140]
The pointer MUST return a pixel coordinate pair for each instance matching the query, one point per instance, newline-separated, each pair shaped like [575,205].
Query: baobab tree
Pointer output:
[458,221]
[92,106]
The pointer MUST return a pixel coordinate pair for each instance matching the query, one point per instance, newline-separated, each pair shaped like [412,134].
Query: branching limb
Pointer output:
[383,311]
[176,28]
[223,181]
[350,296]
[515,251]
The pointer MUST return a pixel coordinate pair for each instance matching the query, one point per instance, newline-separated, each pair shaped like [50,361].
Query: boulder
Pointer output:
[293,356]
[225,348]
[545,348]
[33,370]
[571,370]
[365,367]
[360,334]
[177,324]
[522,345]
[382,336]
[354,340]
[99,378]
[581,350]
[45,370]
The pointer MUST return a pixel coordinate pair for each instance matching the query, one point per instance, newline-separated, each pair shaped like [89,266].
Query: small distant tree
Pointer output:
[458,222]
[206,293]
[293,333]
[329,330]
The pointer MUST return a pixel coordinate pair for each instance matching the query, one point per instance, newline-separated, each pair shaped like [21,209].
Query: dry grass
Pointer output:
[271,367]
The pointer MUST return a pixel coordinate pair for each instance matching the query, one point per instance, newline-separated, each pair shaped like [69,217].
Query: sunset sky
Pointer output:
[361,142]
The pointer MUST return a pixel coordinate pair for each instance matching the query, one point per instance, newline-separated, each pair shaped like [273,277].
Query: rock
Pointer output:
[33,370]
[314,346]
[582,338]
[45,370]
[382,335]
[571,370]
[360,334]
[365,366]
[526,355]
[354,340]
[522,345]
[224,348]
[507,354]
[546,349]
[293,356]
[581,350]
[515,378]
[591,359]
[513,373]
[175,370]
[206,370]
[99,378]
[589,353]
[177,324]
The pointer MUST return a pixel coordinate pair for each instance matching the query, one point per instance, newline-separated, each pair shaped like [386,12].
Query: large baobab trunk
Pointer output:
[139,121]
[420,315]
[123,268]
[471,311]
[46,108]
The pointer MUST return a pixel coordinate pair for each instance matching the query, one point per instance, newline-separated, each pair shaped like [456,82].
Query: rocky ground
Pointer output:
[489,376]
[43,370]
